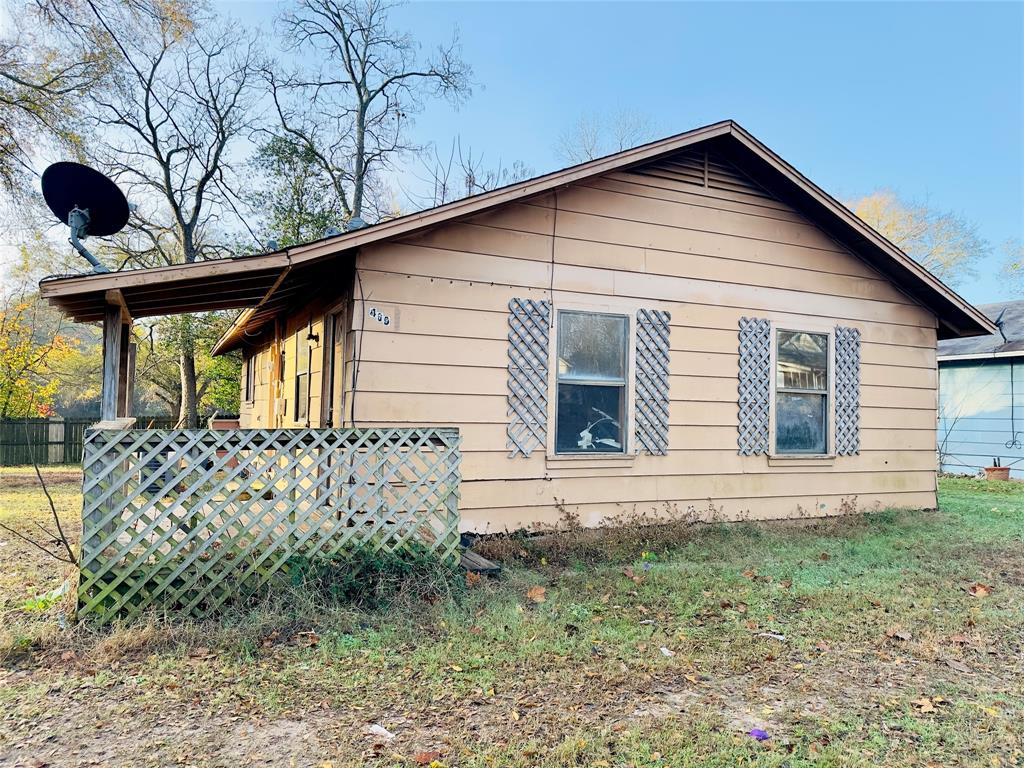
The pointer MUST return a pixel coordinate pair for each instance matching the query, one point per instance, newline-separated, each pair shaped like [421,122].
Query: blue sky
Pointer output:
[923,98]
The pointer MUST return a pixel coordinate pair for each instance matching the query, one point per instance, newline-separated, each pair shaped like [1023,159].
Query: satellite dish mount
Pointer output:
[78,220]
[88,202]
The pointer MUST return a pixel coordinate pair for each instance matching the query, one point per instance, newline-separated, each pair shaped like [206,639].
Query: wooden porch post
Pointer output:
[111,362]
[117,359]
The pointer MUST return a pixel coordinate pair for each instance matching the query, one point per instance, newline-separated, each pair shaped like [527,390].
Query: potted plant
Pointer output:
[997,471]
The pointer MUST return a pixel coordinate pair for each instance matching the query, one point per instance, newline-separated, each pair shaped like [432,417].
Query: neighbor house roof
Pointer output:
[263,284]
[1008,342]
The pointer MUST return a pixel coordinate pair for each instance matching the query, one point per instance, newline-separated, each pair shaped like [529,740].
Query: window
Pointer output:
[591,383]
[250,378]
[801,392]
[302,352]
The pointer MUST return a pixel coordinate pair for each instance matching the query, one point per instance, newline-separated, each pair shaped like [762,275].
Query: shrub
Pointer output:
[373,579]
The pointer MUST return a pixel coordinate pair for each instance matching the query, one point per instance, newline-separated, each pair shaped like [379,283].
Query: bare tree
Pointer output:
[168,119]
[461,174]
[595,135]
[351,111]
[944,242]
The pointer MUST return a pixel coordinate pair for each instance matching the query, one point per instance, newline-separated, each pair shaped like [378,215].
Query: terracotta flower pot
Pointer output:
[997,473]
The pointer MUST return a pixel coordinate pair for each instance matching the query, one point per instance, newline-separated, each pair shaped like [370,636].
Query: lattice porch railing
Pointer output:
[186,520]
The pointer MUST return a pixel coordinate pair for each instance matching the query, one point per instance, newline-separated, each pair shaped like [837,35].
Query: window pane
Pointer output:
[591,346]
[800,423]
[589,419]
[301,396]
[802,360]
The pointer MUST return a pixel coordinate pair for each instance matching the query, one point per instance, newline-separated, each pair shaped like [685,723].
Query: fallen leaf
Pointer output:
[959,666]
[786,583]
[979,590]
[959,639]
[425,758]
[472,579]
[897,633]
[631,575]
[455,667]
[924,705]
[536,594]
[750,573]
[823,556]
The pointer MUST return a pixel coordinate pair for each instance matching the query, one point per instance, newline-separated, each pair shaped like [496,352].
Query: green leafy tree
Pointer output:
[293,196]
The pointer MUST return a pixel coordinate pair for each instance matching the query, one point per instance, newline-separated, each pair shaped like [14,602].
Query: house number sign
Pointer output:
[383,315]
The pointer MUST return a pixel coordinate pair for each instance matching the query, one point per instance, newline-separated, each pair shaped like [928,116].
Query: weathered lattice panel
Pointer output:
[652,396]
[186,520]
[847,395]
[529,325]
[754,385]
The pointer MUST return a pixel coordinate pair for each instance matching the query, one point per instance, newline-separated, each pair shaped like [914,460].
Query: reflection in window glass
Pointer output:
[589,419]
[801,392]
[591,383]
[800,423]
[802,360]
[591,346]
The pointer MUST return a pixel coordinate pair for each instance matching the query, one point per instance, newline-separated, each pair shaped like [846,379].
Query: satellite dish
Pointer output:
[87,201]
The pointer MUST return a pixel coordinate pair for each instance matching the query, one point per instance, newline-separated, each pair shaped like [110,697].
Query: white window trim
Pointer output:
[629,443]
[819,328]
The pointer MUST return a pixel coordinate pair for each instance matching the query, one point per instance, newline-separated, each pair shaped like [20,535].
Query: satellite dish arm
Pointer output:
[78,220]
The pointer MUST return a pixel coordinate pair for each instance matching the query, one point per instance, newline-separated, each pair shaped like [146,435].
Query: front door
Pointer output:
[335,326]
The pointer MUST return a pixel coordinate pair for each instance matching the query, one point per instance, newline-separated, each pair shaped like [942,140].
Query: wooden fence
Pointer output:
[54,440]
[188,520]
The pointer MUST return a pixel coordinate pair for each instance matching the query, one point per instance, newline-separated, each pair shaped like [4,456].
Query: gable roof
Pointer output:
[263,284]
[1011,324]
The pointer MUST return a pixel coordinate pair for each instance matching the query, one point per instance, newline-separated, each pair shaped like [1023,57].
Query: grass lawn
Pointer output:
[889,639]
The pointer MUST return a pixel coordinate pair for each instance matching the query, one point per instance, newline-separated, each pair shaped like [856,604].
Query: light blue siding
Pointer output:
[981,415]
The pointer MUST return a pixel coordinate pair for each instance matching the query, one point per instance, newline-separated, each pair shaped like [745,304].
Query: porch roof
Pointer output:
[263,284]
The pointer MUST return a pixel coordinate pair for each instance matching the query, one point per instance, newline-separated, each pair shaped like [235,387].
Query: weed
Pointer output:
[374,578]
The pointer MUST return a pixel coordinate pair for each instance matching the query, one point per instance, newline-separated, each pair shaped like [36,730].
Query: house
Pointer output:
[690,323]
[981,396]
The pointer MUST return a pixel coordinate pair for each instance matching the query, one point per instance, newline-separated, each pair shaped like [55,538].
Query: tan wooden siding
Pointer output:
[693,237]
[707,254]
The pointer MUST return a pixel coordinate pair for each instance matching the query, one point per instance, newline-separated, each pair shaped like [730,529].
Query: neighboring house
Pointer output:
[691,323]
[981,396]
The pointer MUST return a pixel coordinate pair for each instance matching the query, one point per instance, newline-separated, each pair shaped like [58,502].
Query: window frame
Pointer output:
[249,394]
[626,382]
[816,329]
[301,341]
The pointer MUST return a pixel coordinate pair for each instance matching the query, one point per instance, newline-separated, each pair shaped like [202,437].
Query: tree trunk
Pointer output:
[188,413]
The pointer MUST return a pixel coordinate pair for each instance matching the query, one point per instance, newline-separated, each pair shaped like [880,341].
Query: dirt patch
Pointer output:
[27,478]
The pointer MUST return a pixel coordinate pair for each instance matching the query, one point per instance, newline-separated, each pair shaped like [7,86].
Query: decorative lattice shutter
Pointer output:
[754,385]
[652,331]
[847,383]
[528,332]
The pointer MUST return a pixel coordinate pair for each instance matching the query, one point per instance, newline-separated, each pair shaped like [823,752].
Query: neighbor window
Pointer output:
[801,392]
[301,377]
[591,383]
[250,379]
